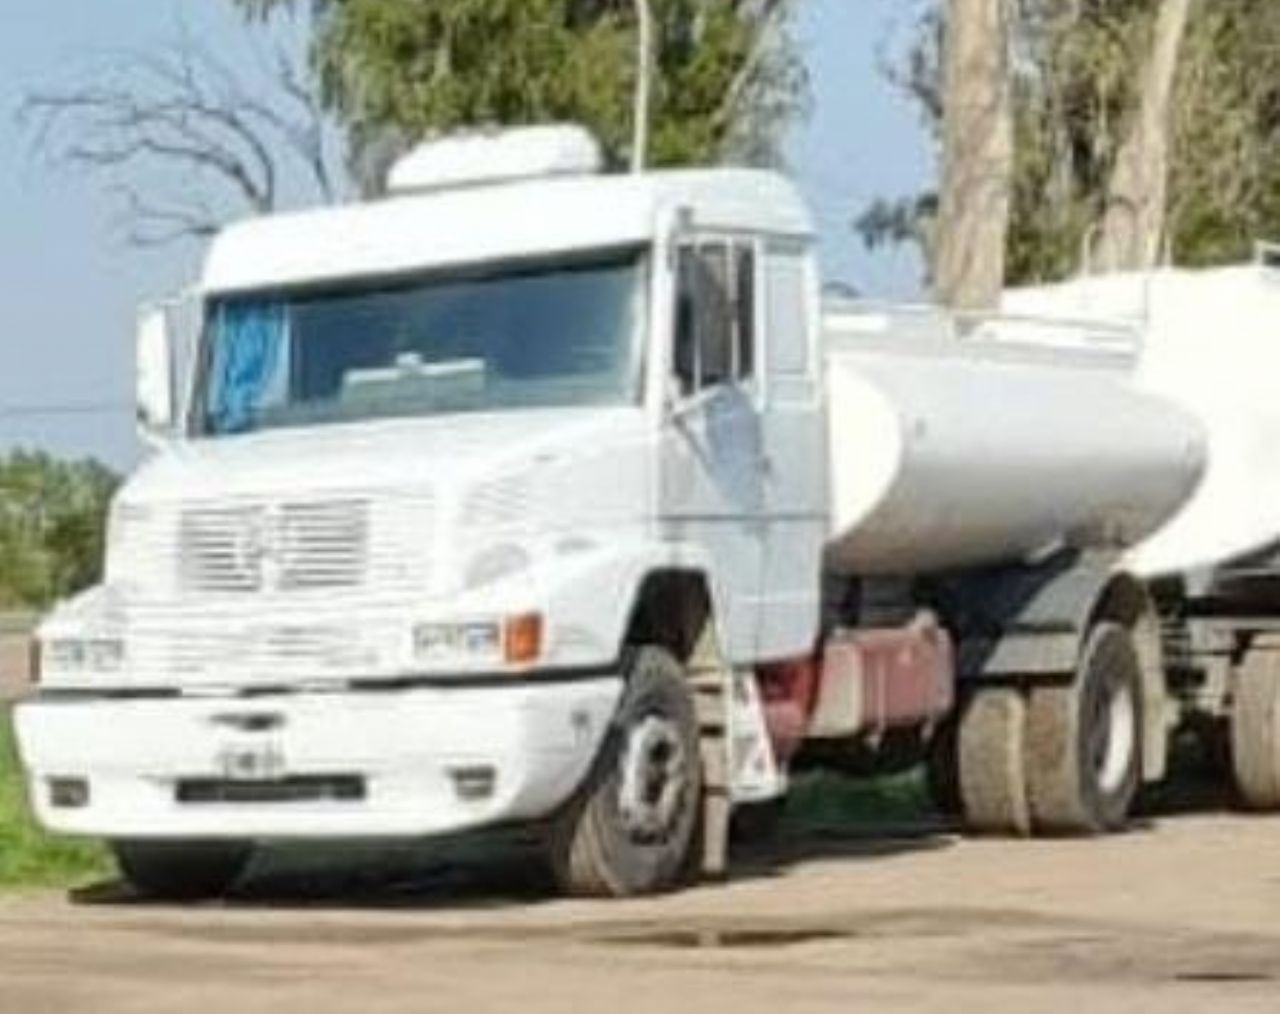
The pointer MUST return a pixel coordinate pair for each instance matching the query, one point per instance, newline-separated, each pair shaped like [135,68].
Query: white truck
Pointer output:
[537,495]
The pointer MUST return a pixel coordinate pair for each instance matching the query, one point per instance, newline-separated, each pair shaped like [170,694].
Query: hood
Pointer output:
[401,453]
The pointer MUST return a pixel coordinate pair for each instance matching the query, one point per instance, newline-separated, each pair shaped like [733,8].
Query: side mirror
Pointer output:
[157,405]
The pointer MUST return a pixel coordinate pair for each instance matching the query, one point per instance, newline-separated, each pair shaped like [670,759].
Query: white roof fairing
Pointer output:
[421,232]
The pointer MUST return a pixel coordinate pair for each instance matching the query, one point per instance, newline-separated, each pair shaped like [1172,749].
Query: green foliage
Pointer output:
[51,527]
[1074,93]
[824,802]
[726,77]
[1077,66]
[1226,178]
[28,858]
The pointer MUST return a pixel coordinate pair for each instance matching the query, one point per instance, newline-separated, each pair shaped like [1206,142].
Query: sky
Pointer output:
[70,284]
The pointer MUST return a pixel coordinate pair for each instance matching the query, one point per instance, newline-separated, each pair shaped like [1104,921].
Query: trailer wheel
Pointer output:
[181,870]
[1255,730]
[631,828]
[992,780]
[1084,739]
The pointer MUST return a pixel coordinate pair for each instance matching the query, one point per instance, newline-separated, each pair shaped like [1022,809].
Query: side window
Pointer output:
[745,308]
[685,357]
[715,329]
[715,316]
[785,305]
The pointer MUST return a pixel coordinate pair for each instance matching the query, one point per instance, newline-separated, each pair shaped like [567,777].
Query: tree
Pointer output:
[52,516]
[977,155]
[185,144]
[1225,173]
[1104,91]
[1134,220]
[725,76]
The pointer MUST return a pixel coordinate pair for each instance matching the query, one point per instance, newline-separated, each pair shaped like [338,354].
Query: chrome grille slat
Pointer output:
[326,545]
[285,547]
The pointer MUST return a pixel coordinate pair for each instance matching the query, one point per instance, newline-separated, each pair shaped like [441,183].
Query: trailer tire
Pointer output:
[181,870]
[989,747]
[1255,730]
[1084,739]
[631,828]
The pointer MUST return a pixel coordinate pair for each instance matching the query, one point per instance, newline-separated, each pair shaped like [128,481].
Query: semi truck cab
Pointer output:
[435,473]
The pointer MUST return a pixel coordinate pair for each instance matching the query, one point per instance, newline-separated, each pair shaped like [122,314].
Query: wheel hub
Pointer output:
[1115,738]
[653,779]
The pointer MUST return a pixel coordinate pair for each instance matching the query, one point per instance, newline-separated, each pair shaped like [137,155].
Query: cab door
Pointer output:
[712,474]
[794,442]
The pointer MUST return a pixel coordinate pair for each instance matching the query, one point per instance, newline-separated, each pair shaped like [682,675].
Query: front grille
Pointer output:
[290,547]
[301,789]
[262,592]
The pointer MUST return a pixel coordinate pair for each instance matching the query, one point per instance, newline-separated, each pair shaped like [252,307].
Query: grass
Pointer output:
[828,802]
[28,857]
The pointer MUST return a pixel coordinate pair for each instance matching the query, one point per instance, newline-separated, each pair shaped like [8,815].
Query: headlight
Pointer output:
[474,642]
[70,654]
[514,640]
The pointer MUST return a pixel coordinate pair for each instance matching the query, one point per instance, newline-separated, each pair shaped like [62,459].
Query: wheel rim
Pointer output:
[653,781]
[1114,738]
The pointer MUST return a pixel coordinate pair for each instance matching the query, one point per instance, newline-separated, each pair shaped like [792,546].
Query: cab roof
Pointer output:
[419,232]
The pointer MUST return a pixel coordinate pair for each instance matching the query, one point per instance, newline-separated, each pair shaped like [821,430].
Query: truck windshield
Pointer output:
[528,335]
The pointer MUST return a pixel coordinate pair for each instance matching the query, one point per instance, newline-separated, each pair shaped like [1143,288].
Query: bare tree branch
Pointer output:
[151,224]
[184,115]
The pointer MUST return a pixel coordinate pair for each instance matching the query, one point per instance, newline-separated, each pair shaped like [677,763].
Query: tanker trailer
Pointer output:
[1214,568]
[986,477]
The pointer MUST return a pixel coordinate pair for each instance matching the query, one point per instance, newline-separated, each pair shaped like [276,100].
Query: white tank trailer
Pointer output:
[1210,346]
[954,444]
[988,476]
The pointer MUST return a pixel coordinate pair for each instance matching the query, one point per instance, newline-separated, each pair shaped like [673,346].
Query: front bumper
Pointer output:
[266,768]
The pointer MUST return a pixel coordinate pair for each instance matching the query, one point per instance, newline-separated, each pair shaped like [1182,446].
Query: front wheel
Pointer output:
[181,870]
[631,828]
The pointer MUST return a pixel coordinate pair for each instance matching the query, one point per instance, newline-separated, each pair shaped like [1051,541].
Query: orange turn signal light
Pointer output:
[522,639]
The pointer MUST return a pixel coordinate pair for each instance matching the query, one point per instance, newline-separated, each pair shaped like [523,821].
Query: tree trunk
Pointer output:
[977,155]
[1132,232]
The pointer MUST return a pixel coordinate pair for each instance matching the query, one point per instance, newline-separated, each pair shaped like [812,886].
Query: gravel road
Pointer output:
[1177,916]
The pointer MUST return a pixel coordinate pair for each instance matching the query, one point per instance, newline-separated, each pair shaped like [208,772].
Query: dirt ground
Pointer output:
[1181,915]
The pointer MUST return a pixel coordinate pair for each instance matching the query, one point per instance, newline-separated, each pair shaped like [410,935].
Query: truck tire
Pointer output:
[631,828]
[992,779]
[1255,730]
[181,870]
[1084,739]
